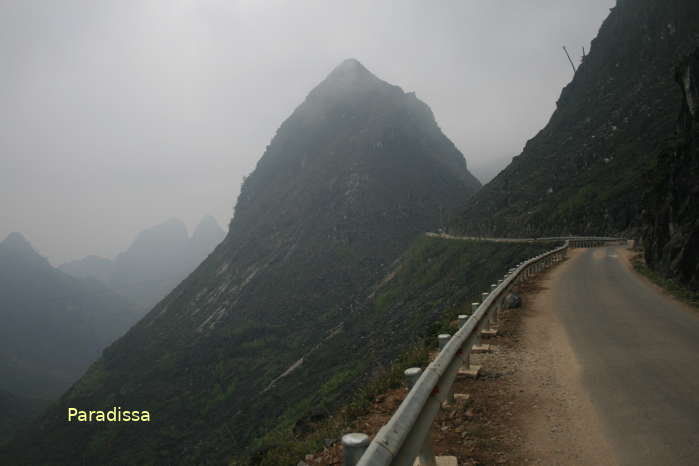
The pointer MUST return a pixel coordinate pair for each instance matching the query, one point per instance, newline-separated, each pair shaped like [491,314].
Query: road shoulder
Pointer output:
[530,401]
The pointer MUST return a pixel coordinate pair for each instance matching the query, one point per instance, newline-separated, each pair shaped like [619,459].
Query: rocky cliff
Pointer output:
[671,236]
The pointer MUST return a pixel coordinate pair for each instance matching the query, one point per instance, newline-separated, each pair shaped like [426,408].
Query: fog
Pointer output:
[116,115]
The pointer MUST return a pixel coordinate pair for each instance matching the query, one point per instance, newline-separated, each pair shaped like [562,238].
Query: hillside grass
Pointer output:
[433,282]
[675,289]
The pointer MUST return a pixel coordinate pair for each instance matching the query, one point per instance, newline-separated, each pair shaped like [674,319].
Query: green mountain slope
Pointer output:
[278,311]
[583,173]
[17,411]
[433,282]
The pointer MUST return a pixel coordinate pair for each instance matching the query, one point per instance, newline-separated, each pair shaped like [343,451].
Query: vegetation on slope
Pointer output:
[433,282]
[671,286]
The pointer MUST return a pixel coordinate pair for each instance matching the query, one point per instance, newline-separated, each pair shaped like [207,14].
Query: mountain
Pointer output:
[278,323]
[156,261]
[584,172]
[53,325]
[17,412]
[671,234]
[153,264]
[95,267]
[207,235]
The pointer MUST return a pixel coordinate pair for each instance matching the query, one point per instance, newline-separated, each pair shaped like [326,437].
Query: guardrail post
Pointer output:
[477,346]
[488,322]
[411,376]
[488,329]
[462,319]
[353,447]
[474,308]
[495,313]
[443,339]
[426,456]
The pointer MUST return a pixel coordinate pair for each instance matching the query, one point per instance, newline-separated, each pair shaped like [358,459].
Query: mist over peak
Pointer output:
[17,242]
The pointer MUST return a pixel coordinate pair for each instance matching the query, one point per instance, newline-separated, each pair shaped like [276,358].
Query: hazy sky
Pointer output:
[117,114]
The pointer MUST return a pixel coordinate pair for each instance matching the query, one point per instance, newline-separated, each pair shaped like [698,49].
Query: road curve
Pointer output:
[639,351]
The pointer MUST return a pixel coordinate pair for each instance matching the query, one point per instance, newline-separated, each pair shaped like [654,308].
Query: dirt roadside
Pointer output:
[528,406]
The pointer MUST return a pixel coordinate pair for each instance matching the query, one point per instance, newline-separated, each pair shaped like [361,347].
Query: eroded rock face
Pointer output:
[671,235]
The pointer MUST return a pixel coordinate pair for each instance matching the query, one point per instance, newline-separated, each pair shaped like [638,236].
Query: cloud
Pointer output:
[115,115]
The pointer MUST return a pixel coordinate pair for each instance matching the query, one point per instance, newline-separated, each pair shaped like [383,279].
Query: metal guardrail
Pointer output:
[406,436]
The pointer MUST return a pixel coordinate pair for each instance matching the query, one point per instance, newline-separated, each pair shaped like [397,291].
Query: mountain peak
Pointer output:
[18,243]
[351,65]
[352,70]
[16,253]
[172,227]
[207,234]
[207,222]
[348,79]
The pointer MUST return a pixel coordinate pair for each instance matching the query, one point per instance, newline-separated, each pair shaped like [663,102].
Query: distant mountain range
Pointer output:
[157,260]
[53,325]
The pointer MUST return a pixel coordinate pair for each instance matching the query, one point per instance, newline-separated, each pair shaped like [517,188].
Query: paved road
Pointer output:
[640,356]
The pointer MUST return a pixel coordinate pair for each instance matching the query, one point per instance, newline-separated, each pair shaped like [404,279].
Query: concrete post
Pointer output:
[411,376]
[484,295]
[443,340]
[495,312]
[426,456]
[353,447]
[462,320]
[477,341]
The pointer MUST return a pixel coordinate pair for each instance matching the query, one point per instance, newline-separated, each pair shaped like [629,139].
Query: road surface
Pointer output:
[639,354]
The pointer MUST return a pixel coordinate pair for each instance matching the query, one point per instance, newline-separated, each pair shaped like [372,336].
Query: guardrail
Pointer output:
[406,436]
